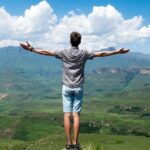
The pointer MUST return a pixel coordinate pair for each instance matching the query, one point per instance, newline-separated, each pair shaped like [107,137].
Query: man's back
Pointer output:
[73,65]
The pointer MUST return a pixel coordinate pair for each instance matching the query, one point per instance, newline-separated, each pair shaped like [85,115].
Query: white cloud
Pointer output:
[5,25]
[8,42]
[144,32]
[36,20]
[104,19]
[104,26]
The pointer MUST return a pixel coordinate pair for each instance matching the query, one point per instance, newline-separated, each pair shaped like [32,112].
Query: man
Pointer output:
[74,61]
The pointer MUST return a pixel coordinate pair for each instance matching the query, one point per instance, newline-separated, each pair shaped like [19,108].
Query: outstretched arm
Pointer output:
[28,47]
[108,53]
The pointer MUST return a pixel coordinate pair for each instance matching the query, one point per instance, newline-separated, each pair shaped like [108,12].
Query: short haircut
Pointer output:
[75,38]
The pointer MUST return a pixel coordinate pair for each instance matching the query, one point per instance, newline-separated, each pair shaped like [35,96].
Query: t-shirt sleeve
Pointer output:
[89,54]
[59,54]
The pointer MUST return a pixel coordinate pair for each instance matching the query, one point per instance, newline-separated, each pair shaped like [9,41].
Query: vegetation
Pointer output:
[115,114]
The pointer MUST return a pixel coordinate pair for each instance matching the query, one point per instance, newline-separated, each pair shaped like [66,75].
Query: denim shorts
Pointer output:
[72,98]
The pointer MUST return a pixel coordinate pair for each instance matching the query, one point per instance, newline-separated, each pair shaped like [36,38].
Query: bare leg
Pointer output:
[67,118]
[76,118]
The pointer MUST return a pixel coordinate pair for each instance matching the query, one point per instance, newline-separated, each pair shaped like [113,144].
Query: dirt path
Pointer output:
[2,96]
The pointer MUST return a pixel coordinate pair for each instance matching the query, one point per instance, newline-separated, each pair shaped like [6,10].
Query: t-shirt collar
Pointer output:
[74,47]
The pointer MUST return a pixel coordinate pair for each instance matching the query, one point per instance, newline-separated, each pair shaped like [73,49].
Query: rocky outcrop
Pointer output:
[122,70]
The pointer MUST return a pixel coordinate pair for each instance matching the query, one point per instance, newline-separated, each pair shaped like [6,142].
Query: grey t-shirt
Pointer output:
[73,65]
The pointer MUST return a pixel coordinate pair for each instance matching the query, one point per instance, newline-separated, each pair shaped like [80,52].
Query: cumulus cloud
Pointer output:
[105,26]
[37,20]
[104,19]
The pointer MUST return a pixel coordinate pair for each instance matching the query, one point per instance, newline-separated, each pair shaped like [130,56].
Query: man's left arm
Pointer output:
[109,53]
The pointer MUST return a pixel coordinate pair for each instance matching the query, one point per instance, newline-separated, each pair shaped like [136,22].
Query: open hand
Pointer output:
[122,50]
[26,46]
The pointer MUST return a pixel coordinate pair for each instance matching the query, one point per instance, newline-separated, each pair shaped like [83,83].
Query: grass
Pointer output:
[33,119]
[33,128]
[87,142]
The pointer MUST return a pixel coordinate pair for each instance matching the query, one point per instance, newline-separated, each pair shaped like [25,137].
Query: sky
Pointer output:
[102,23]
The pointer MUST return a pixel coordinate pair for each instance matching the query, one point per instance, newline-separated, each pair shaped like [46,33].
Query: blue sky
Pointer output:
[127,8]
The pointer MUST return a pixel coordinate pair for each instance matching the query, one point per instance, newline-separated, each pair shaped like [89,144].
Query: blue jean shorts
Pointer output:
[72,98]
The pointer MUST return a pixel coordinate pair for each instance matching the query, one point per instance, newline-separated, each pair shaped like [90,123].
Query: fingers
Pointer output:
[20,44]
[126,50]
[24,46]
[28,43]
[123,50]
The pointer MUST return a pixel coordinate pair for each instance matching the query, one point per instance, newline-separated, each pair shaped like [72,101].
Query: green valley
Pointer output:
[116,107]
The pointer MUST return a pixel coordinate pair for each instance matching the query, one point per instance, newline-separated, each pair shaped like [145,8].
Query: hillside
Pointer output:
[89,142]
[116,108]
[20,69]
[17,59]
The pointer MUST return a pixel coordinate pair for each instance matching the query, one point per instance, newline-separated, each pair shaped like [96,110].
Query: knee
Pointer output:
[67,115]
[76,114]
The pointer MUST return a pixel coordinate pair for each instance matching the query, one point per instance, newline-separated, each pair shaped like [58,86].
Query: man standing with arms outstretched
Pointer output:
[74,60]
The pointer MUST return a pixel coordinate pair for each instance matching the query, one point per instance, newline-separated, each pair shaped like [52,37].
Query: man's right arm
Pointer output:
[28,47]
[43,52]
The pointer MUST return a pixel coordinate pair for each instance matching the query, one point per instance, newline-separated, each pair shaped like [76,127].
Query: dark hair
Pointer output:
[75,38]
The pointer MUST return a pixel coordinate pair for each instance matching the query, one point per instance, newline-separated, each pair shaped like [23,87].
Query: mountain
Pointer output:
[20,69]
[131,59]
[18,60]
[108,49]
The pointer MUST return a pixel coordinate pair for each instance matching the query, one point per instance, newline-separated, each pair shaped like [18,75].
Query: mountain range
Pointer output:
[16,59]
[20,69]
